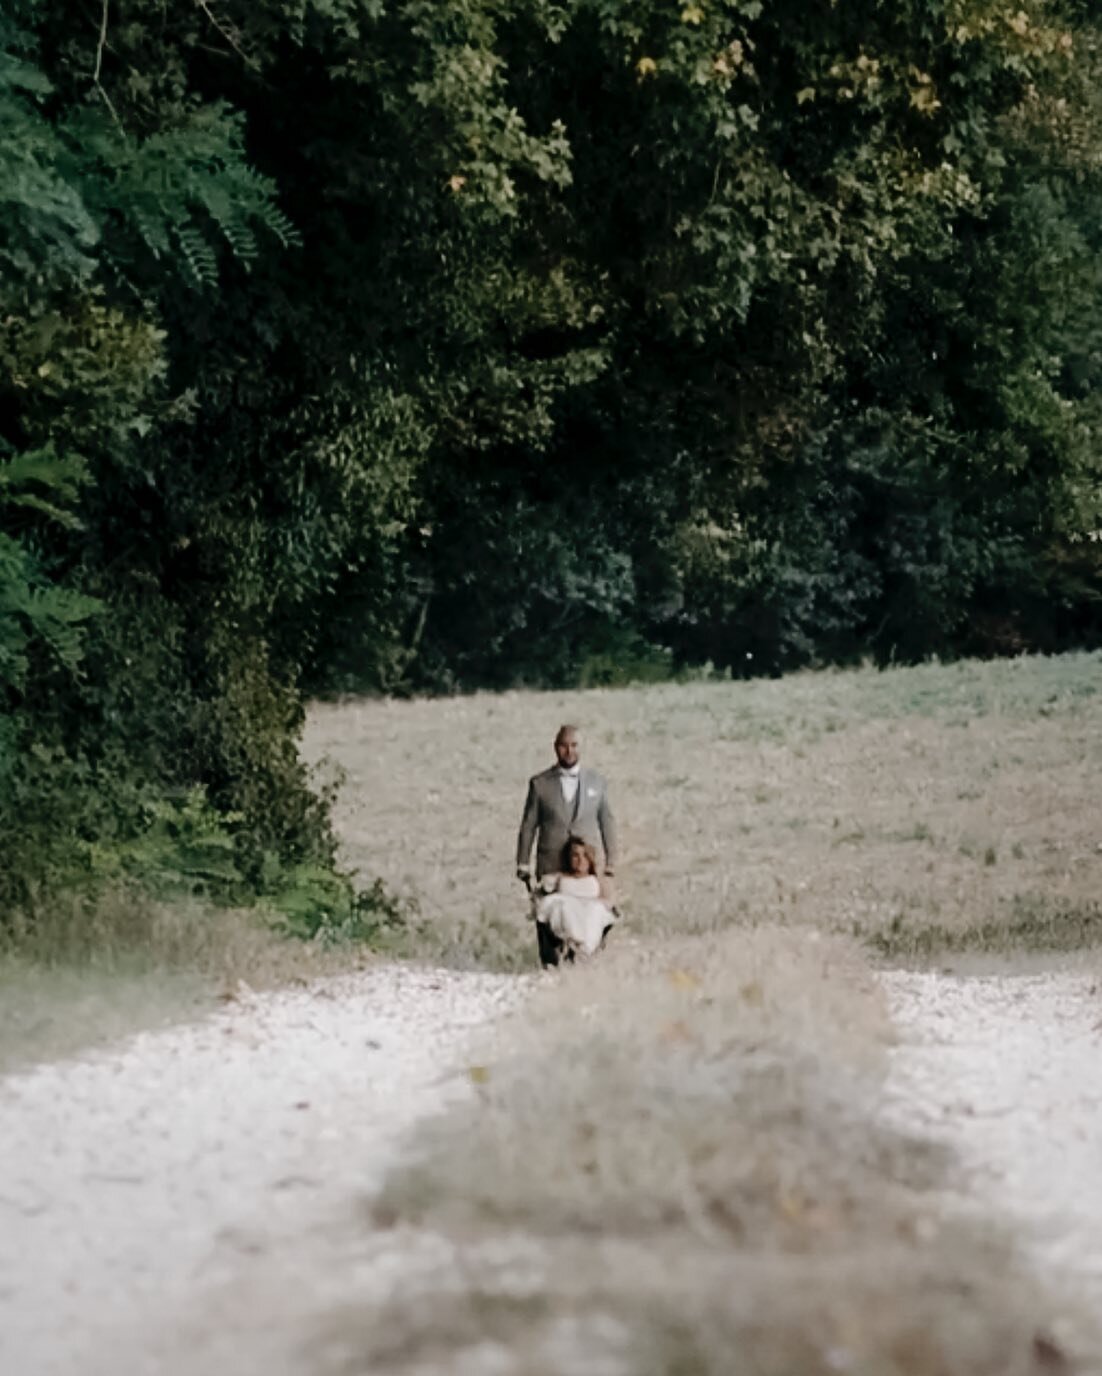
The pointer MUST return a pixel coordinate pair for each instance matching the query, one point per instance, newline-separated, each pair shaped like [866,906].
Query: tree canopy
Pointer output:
[408,346]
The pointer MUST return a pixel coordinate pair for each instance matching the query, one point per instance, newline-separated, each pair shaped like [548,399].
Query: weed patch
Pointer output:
[1033,923]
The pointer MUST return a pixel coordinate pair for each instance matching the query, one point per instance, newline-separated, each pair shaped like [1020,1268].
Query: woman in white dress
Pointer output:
[576,904]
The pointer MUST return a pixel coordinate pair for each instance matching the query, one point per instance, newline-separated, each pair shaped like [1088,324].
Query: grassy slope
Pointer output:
[919,809]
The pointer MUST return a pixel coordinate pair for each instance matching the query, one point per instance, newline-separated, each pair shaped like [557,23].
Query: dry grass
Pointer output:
[47,1012]
[88,973]
[675,1166]
[941,807]
[636,1064]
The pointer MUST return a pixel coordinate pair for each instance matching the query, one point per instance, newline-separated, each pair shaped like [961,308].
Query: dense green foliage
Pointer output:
[413,345]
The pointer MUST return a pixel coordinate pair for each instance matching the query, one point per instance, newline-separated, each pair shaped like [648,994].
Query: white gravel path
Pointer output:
[152,1194]
[188,1203]
[1007,1069]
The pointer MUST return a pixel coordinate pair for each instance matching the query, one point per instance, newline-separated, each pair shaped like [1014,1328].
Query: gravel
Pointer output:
[1007,1070]
[193,1201]
[189,1200]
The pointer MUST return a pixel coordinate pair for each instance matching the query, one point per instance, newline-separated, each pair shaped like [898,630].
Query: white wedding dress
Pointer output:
[576,912]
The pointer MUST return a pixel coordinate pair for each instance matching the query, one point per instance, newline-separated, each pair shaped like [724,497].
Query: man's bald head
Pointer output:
[567,746]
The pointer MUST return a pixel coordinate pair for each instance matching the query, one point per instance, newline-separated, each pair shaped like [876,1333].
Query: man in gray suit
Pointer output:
[565,800]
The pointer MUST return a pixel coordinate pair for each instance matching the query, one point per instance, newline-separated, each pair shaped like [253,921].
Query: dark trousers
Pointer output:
[550,946]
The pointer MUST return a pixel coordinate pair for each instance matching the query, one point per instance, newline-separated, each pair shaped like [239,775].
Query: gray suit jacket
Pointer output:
[549,822]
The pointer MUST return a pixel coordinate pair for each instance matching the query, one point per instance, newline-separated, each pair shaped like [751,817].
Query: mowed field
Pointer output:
[920,810]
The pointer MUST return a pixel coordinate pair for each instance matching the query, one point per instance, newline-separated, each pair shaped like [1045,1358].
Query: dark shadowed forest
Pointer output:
[401,346]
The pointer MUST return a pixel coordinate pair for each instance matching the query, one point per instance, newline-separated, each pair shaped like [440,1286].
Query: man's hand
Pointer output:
[524,874]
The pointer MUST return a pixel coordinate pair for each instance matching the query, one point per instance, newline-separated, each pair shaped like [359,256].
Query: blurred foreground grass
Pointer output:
[674,1163]
[943,807]
[88,973]
[47,1012]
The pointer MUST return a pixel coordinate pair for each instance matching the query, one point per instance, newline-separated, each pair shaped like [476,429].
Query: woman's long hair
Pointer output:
[590,855]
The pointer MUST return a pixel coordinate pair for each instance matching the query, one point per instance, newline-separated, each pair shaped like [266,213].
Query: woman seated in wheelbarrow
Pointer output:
[577,905]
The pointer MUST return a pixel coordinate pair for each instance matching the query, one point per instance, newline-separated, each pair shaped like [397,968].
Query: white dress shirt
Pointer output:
[569,780]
